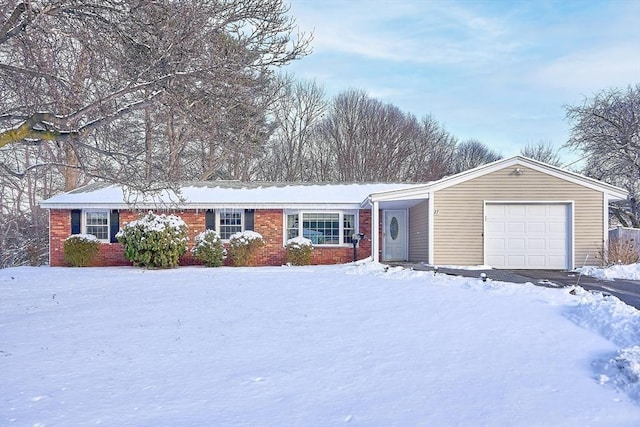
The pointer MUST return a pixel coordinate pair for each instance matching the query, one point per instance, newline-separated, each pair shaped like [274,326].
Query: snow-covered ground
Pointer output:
[309,346]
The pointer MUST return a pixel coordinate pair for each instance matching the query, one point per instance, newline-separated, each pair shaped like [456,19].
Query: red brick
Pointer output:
[267,222]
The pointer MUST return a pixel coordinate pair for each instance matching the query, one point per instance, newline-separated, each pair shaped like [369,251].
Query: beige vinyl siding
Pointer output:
[459,220]
[419,232]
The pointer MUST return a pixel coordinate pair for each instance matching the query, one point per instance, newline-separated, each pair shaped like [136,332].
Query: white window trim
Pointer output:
[341,214]
[217,221]
[83,224]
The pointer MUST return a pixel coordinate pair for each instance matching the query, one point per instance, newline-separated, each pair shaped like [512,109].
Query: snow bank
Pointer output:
[622,372]
[606,315]
[628,272]
[620,324]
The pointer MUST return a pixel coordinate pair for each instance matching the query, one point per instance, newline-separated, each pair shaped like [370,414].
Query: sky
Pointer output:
[493,70]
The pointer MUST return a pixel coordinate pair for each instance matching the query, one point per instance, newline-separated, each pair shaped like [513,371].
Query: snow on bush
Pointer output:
[299,251]
[87,237]
[208,248]
[244,246]
[156,241]
[299,242]
[80,249]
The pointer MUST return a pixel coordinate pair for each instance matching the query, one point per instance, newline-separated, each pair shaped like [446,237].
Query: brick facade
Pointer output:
[268,222]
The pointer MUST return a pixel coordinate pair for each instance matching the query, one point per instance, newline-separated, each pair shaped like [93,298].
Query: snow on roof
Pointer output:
[212,194]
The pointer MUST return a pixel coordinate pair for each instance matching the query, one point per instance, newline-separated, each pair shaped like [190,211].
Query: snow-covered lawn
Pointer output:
[309,346]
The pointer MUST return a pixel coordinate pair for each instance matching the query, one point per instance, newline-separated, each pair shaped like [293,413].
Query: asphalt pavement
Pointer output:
[627,291]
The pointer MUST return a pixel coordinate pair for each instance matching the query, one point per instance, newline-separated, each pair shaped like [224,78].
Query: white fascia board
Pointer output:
[200,206]
[62,205]
[421,192]
[615,192]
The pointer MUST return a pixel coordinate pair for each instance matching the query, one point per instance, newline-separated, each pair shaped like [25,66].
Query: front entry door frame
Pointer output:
[395,242]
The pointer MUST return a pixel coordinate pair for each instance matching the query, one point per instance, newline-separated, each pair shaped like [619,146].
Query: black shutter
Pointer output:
[248,219]
[114,224]
[76,215]
[210,220]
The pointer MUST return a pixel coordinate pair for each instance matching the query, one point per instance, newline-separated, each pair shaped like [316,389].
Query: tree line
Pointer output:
[153,92]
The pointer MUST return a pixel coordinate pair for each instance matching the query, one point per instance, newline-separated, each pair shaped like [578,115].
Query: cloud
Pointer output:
[413,32]
[592,70]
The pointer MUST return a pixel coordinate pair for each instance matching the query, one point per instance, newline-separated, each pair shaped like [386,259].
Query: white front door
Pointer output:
[394,235]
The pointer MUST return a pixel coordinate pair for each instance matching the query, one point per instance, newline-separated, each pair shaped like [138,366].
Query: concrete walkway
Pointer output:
[626,290]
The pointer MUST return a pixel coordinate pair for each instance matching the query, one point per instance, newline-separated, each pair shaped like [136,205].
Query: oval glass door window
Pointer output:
[393,228]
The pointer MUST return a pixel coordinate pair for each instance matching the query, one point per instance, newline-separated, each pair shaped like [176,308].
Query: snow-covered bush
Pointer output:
[156,241]
[299,251]
[209,249]
[244,246]
[80,249]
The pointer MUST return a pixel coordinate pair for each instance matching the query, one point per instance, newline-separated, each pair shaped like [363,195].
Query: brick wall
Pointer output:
[110,254]
[268,222]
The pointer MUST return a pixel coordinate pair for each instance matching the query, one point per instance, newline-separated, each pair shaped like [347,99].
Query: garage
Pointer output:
[528,235]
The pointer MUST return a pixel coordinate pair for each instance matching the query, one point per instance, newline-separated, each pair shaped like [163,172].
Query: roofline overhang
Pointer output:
[613,192]
[202,206]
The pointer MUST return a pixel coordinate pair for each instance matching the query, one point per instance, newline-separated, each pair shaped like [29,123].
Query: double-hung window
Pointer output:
[322,228]
[97,224]
[229,221]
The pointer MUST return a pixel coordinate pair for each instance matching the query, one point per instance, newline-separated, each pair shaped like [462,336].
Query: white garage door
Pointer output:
[527,236]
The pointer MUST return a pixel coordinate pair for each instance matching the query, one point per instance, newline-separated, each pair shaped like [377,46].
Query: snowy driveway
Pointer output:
[626,290]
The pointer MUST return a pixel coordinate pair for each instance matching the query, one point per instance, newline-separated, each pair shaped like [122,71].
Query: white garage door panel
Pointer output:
[536,261]
[536,243]
[536,227]
[515,259]
[515,210]
[515,227]
[516,244]
[521,235]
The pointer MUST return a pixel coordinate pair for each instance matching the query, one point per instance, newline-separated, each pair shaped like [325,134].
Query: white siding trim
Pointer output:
[421,190]
[431,228]
[584,181]
[605,222]
[375,235]
[572,225]
[50,246]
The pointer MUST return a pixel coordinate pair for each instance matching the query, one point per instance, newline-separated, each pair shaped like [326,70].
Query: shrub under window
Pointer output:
[208,248]
[244,246]
[80,249]
[299,251]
